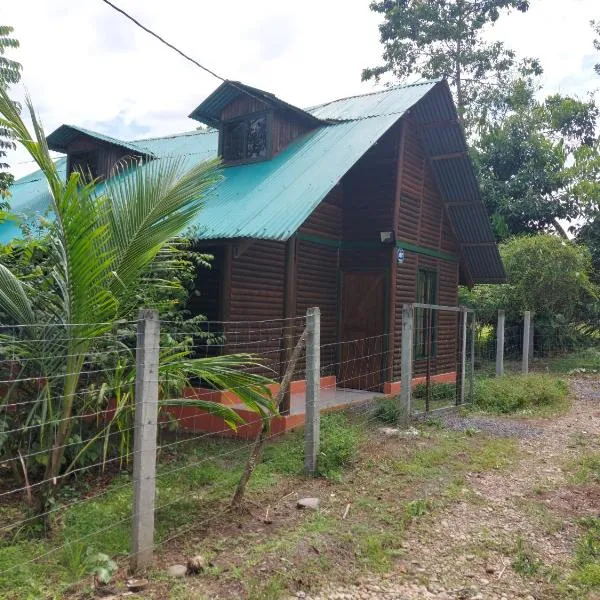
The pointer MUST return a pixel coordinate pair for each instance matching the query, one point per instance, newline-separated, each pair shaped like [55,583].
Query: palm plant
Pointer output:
[104,242]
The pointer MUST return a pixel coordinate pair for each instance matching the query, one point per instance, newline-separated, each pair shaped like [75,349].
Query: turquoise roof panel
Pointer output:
[271,199]
[392,101]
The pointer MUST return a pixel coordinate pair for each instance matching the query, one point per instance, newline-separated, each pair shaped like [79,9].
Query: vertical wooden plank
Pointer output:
[313,388]
[225,292]
[391,347]
[500,343]
[289,312]
[144,436]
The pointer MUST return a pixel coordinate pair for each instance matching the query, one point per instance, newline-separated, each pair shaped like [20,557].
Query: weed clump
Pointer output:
[520,393]
[340,439]
[389,411]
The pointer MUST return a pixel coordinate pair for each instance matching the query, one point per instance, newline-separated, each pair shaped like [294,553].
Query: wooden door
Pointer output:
[363,340]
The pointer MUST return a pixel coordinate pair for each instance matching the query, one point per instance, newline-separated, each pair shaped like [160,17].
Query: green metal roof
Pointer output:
[60,138]
[271,199]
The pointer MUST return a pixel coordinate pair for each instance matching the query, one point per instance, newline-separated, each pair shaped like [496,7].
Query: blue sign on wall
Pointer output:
[400,255]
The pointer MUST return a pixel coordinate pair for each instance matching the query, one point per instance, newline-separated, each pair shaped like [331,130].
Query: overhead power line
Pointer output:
[161,39]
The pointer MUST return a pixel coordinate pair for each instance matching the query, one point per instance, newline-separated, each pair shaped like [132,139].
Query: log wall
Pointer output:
[422,221]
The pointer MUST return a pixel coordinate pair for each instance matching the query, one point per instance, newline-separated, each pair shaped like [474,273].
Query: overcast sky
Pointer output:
[84,64]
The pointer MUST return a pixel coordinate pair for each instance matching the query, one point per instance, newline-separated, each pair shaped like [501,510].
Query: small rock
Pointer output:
[137,585]
[389,431]
[196,565]
[177,571]
[489,569]
[308,504]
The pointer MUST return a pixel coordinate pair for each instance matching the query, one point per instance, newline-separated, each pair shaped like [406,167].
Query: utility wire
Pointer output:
[161,39]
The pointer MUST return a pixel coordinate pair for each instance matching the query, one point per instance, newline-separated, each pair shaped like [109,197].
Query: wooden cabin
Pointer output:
[356,206]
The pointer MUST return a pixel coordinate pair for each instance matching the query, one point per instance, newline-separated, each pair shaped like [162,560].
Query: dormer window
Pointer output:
[253,125]
[92,154]
[245,138]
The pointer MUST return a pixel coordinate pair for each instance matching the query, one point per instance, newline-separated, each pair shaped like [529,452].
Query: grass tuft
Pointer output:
[521,393]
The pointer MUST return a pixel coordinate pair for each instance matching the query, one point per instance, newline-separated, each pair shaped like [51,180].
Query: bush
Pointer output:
[340,439]
[388,411]
[519,393]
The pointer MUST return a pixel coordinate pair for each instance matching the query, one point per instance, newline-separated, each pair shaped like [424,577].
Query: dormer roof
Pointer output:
[60,139]
[209,111]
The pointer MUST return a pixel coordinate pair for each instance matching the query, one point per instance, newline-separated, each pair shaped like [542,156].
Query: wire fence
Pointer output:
[72,430]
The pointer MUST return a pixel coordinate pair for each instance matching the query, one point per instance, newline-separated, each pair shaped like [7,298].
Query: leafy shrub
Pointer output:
[388,411]
[340,439]
[525,562]
[519,393]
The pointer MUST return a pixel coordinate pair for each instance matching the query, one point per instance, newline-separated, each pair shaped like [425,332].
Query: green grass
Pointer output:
[586,574]
[539,395]
[456,453]
[587,360]
[197,479]
[586,469]
[525,561]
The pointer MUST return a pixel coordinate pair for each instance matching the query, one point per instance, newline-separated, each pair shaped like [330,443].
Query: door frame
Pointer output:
[386,302]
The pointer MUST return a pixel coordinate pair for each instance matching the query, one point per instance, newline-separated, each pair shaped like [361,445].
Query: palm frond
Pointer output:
[150,205]
[13,298]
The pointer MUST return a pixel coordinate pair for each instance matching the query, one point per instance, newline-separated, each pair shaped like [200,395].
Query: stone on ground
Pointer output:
[308,503]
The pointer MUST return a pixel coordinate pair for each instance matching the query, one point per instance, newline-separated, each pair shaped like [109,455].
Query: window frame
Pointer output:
[420,345]
[247,117]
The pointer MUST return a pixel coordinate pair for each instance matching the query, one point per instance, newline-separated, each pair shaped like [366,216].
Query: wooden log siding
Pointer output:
[317,275]
[257,294]
[422,221]
[242,105]
[369,189]
[285,129]
[108,155]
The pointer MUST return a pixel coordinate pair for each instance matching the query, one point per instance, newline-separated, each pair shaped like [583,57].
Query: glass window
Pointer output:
[426,318]
[245,139]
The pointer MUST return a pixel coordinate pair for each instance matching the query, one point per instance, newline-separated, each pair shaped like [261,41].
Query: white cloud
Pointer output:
[85,64]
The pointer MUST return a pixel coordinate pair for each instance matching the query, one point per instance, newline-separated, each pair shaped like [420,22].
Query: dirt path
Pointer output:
[527,514]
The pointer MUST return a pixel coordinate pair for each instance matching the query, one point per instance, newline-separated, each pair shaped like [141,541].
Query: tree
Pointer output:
[546,274]
[596,27]
[444,38]
[524,157]
[104,244]
[10,73]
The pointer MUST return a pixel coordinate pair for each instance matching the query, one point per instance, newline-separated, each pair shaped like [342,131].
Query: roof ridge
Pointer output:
[176,135]
[373,93]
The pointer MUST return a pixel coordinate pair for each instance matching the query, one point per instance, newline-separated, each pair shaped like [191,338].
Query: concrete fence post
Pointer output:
[526,328]
[463,356]
[408,317]
[500,343]
[313,388]
[144,439]
[472,358]
[531,336]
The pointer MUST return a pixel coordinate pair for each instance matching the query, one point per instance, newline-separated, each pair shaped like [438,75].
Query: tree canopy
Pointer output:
[533,158]
[444,38]
[10,73]
[546,274]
